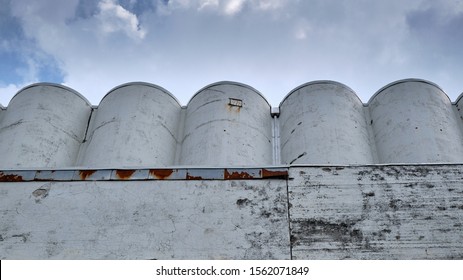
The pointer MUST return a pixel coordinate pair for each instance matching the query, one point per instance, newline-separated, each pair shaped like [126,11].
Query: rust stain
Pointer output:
[189,177]
[236,175]
[10,177]
[84,174]
[278,174]
[124,174]
[161,174]
[233,109]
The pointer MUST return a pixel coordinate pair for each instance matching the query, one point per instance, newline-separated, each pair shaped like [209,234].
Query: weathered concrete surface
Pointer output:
[376,212]
[323,122]
[135,125]
[413,122]
[43,127]
[244,219]
[335,212]
[227,124]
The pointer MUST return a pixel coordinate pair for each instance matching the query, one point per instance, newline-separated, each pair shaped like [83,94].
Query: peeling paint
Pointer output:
[274,174]
[236,175]
[84,174]
[161,174]
[10,177]
[124,174]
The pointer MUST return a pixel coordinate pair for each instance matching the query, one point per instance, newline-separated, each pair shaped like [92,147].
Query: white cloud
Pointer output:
[208,4]
[271,45]
[233,6]
[8,91]
[114,17]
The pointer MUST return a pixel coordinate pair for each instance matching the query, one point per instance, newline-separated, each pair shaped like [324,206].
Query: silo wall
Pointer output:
[323,122]
[134,125]
[227,124]
[413,122]
[43,127]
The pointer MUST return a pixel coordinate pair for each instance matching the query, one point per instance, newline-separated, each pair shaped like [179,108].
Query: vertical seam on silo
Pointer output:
[2,111]
[276,140]
[88,125]
[180,135]
[371,134]
[84,144]
[459,119]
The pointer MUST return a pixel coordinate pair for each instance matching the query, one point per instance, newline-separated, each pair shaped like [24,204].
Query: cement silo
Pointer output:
[323,122]
[413,122]
[227,124]
[43,127]
[134,125]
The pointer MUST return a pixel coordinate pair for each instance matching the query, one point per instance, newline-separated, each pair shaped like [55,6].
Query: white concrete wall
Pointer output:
[330,212]
[413,122]
[134,125]
[144,220]
[43,127]
[376,212]
[323,123]
[219,134]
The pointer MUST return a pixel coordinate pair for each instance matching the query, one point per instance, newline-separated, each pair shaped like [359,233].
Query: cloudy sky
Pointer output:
[271,45]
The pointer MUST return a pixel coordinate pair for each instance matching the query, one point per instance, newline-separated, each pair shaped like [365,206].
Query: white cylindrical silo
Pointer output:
[135,125]
[43,127]
[323,122]
[227,124]
[413,122]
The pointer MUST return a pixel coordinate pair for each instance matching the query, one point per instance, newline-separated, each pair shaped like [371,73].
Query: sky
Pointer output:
[273,46]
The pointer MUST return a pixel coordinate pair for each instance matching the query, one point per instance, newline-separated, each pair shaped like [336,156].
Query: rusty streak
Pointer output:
[124,174]
[189,177]
[84,174]
[161,174]
[236,175]
[10,177]
[277,174]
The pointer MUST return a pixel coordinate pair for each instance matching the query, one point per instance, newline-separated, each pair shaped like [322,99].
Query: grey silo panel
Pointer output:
[413,122]
[2,110]
[323,122]
[135,125]
[43,127]
[227,124]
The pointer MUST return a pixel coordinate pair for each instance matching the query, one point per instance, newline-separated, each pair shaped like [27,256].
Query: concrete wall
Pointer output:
[144,220]
[376,212]
[325,212]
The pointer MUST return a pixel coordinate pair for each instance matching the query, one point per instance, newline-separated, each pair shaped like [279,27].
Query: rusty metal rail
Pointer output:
[144,174]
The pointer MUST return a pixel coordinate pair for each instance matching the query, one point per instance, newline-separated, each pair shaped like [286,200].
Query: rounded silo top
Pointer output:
[51,85]
[409,81]
[145,84]
[459,98]
[345,89]
[228,83]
